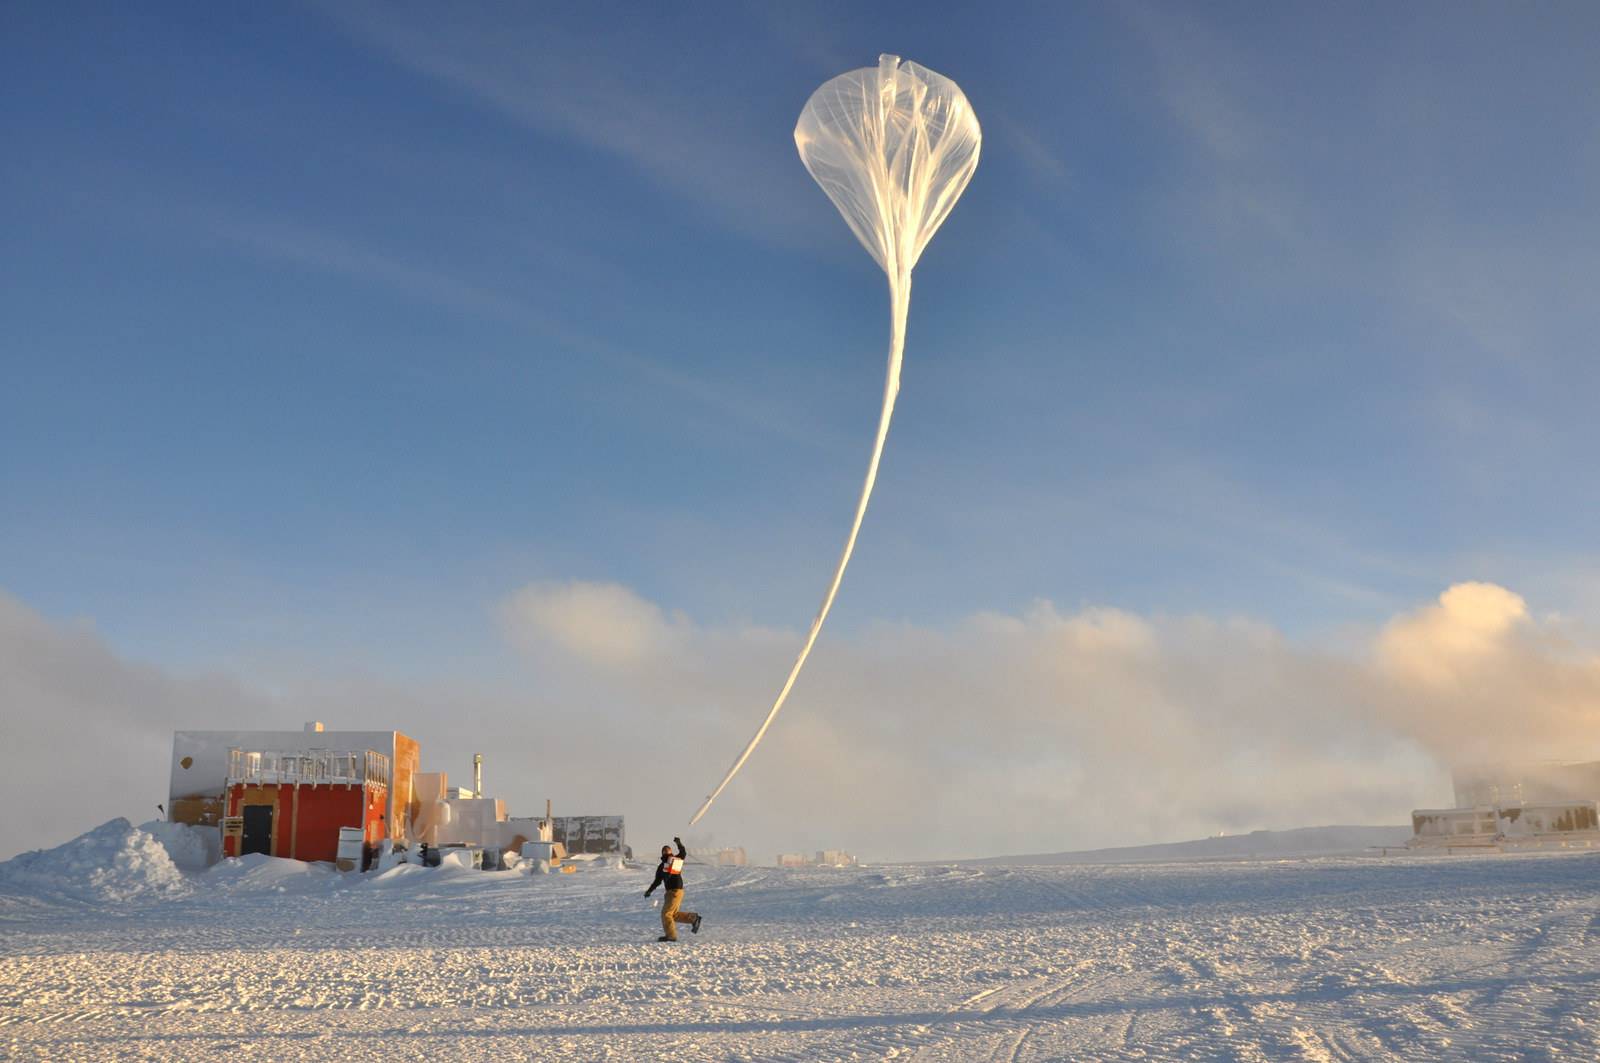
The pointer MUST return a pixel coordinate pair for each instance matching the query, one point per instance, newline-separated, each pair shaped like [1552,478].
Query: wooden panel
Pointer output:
[402,805]
[197,811]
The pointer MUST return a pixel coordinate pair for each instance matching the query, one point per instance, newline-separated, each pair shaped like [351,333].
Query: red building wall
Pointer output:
[306,819]
[320,812]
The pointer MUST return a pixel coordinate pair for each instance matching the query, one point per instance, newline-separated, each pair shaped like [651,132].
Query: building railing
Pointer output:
[308,767]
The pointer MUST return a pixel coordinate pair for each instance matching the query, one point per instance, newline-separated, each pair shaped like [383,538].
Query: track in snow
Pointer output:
[1485,957]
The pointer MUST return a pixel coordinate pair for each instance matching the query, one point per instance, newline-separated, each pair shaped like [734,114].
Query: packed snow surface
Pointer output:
[1403,958]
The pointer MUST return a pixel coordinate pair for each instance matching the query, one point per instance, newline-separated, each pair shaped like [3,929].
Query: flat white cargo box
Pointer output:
[352,846]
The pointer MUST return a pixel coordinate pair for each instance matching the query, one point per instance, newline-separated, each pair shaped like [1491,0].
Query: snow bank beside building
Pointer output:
[114,862]
[191,848]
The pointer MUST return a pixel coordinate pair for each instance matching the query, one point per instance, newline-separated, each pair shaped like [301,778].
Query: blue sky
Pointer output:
[326,329]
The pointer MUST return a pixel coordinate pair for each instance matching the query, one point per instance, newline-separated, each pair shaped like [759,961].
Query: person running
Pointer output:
[670,874]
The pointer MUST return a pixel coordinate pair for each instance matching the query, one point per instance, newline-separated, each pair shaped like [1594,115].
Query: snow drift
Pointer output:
[191,848]
[114,862]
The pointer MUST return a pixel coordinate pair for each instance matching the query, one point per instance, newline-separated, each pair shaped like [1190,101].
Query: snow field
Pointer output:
[1491,957]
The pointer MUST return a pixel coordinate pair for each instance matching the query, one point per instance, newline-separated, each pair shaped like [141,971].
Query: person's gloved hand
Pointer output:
[648,892]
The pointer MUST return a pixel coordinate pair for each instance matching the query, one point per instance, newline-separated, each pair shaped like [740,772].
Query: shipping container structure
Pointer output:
[203,780]
[1565,824]
[295,804]
[598,835]
[1540,804]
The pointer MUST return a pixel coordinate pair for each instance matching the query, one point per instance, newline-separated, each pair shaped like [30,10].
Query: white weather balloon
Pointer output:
[893,147]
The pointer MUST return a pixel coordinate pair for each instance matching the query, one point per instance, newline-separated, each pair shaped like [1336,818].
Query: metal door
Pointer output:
[257,830]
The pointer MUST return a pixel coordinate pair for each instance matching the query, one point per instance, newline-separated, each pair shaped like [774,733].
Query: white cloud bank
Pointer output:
[1476,674]
[86,735]
[1039,731]
[1047,730]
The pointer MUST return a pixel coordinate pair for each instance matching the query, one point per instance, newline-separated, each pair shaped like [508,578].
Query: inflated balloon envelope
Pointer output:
[893,147]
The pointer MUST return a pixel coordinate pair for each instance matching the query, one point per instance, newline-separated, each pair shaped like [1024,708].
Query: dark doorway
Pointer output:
[257,830]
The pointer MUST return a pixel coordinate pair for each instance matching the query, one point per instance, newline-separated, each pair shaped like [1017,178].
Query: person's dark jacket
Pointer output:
[672,882]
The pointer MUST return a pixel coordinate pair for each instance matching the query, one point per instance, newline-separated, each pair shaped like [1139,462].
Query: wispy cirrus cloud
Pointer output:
[286,241]
[1379,194]
[1239,192]
[1025,144]
[688,131]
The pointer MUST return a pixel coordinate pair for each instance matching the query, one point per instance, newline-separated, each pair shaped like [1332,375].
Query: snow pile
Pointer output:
[114,862]
[258,873]
[456,858]
[191,848]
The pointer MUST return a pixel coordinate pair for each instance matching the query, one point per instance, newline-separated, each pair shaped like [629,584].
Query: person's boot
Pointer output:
[694,927]
[664,937]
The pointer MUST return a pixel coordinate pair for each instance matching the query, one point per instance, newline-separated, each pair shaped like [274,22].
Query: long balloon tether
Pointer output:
[900,305]
[893,147]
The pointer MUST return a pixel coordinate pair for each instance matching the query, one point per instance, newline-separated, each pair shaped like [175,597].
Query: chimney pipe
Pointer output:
[477,774]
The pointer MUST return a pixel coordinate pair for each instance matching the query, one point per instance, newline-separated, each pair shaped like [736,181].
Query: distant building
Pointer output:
[603,835]
[287,793]
[449,816]
[1540,804]
[733,857]
[292,793]
[824,858]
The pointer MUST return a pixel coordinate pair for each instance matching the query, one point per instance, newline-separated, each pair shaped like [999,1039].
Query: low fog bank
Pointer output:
[1040,731]
[1045,731]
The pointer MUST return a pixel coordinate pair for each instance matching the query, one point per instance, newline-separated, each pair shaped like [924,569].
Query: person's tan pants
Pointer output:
[670,914]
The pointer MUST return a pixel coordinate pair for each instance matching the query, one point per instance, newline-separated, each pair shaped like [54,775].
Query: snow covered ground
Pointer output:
[1467,957]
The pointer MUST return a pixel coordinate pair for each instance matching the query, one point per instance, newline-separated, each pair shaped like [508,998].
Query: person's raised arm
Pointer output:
[683,854]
